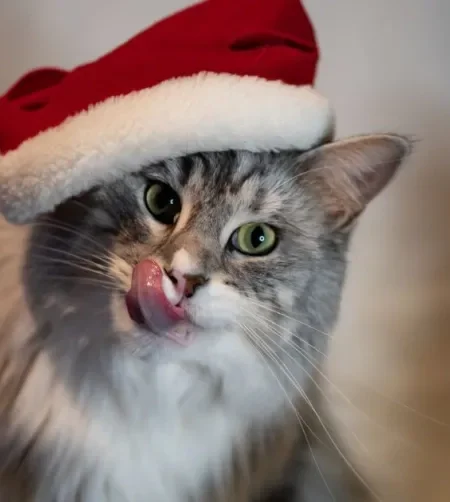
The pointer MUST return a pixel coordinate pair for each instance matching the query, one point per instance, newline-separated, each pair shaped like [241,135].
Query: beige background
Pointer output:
[385,65]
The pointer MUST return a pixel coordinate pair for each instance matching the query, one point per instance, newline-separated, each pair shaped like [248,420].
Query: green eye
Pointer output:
[255,239]
[162,202]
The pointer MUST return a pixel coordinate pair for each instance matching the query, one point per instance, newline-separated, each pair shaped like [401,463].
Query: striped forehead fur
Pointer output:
[261,182]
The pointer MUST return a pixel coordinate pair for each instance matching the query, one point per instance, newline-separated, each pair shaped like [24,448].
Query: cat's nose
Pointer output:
[193,282]
[186,283]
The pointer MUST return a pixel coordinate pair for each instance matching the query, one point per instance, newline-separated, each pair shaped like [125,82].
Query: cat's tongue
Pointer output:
[148,303]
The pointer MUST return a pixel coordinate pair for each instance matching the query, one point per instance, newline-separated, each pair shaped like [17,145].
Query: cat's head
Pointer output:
[235,241]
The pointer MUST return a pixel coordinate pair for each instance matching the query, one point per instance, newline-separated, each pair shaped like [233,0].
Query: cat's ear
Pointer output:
[346,175]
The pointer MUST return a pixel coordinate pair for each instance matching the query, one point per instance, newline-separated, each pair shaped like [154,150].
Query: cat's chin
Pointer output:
[183,333]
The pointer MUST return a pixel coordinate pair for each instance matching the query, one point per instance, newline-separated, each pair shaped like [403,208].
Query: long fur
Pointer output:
[96,409]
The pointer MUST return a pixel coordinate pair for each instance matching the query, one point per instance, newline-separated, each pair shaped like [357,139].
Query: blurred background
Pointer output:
[385,66]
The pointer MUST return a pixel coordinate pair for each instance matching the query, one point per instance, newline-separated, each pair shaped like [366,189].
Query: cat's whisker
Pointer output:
[302,352]
[76,232]
[256,340]
[104,256]
[50,260]
[253,334]
[408,408]
[71,280]
[291,335]
[299,350]
[261,351]
[273,356]
[308,374]
[84,280]
[282,314]
[308,357]
[338,449]
[284,368]
[380,394]
[76,257]
[343,423]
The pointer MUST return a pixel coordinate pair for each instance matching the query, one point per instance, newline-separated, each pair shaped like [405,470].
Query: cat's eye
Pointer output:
[162,202]
[254,239]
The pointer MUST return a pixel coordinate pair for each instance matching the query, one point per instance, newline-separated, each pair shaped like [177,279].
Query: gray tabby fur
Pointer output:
[94,409]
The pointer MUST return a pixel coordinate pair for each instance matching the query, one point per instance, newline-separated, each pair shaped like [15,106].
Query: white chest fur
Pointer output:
[164,434]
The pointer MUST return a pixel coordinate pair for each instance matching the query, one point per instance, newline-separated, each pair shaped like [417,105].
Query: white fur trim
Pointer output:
[205,112]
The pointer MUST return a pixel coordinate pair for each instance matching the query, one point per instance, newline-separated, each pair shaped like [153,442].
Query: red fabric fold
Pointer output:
[272,39]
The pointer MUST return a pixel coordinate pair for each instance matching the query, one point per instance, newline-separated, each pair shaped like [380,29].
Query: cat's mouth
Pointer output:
[154,306]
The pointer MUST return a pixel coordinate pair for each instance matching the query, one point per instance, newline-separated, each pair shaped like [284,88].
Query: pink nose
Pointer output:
[185,284]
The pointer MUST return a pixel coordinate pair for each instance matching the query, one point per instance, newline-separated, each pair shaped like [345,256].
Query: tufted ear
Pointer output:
[347,174]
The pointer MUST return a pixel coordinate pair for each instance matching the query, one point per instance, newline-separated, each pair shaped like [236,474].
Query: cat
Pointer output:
[160,334]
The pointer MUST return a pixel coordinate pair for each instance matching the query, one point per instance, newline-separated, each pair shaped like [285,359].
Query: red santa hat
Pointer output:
[222,74]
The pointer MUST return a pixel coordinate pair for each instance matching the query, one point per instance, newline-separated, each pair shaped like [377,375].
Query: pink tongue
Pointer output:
[148,303]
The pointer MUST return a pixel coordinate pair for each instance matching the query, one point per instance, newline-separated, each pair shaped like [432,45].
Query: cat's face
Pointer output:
[234,224]
[256,240]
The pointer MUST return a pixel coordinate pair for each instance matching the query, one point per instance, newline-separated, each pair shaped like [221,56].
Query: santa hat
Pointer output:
[223,74]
